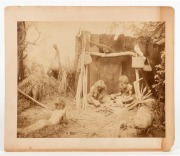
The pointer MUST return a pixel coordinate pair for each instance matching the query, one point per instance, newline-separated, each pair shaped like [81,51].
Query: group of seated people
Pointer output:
[96,97]
[98,92]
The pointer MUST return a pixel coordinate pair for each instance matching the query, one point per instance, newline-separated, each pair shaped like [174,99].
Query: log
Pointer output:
[127,53]
[33,100]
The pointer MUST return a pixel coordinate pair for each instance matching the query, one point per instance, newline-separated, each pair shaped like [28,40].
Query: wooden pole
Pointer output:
[79,90]
[33,100]
[80,86]
[84,88]
[85,37]
[85,98]
[137,83]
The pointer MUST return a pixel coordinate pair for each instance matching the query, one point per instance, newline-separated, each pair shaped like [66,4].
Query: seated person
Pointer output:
[125,90]
[58,116]
[97,93]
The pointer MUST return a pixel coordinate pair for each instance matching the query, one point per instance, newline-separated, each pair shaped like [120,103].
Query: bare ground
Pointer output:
[94,122]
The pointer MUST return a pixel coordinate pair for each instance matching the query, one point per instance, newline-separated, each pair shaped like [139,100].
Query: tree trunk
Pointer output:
[21,35]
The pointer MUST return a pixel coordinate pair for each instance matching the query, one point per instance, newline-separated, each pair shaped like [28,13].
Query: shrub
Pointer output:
[159,89]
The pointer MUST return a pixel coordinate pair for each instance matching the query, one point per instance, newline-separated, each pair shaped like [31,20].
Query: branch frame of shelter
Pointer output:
[83,85]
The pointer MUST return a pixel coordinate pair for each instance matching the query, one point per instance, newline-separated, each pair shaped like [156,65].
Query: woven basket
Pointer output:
[138,62]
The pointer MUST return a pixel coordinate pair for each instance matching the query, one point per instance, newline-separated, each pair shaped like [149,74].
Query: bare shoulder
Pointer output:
[129,87]
[92,90]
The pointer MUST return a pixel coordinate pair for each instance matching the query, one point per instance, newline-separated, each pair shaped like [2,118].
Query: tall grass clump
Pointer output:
[37,79]
[67,79]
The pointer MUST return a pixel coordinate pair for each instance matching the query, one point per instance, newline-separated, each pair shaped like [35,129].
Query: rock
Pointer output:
[143,119]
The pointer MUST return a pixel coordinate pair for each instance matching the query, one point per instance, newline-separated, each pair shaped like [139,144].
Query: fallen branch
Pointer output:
[33,100]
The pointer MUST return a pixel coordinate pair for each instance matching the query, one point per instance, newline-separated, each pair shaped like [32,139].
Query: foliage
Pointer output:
[23,44]
[23,28]
[144,93]
[143,96]
[159,77]
[155,30]
[159,89]
[114,26]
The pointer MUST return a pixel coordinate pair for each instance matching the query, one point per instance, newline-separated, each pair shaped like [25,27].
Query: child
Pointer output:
[125,90]
[97,93]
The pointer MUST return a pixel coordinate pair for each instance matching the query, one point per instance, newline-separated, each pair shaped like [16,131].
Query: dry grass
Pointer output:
[46,86]
[90,124]
[22,104]
[67,80]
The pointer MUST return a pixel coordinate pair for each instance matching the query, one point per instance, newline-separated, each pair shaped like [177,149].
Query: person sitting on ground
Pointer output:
[97,93]
[58,116]
[125,90]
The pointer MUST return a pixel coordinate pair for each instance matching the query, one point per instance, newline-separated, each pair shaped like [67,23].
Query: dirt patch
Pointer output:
[102,122]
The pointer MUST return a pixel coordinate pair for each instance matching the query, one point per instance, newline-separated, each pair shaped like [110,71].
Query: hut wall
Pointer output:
[107,69]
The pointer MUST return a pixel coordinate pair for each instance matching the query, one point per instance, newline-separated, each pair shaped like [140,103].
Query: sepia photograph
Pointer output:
[91,79]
